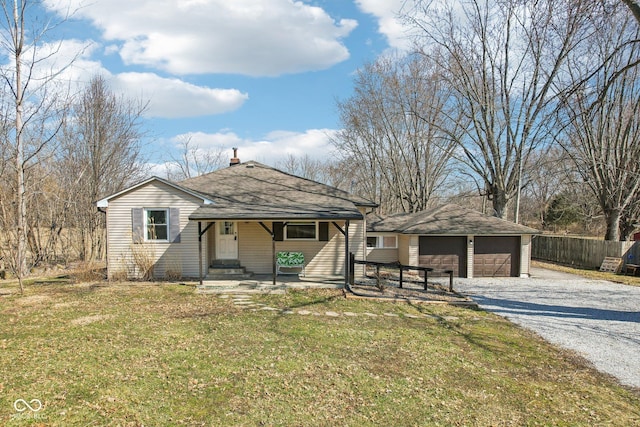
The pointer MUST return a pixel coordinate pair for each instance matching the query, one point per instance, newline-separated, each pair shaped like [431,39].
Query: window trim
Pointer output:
[380,241]
[285,232]
[145,228]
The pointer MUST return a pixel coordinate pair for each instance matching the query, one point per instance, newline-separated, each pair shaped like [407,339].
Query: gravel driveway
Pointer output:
[598,319]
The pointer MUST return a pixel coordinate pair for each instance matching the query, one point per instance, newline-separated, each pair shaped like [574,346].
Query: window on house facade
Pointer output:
[157,224]
[382,242]
[301,231]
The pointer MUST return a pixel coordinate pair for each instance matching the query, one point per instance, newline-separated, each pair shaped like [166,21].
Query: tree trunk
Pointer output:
[613,225]
[634,6]
[500,204]
[21,256]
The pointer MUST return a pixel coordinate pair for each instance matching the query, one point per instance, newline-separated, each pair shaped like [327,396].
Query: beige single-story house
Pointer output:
[236,217]
[452,237]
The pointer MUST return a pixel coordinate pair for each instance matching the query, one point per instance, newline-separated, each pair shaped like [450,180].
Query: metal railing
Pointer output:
[398,266]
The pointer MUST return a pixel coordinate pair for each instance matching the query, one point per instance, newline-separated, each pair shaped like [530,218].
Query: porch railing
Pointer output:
[395,265]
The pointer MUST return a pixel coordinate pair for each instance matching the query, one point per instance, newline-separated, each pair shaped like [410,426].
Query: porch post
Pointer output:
[200,251]
[273,249]
[346,253]
[200,233]
[273,258]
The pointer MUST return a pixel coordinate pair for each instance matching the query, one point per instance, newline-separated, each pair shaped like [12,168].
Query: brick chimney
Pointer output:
[234,160]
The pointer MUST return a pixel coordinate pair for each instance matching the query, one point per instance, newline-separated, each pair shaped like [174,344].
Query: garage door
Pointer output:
[444,253]
[496,256]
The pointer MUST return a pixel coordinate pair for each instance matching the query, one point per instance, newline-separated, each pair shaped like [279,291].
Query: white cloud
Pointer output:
[65,60]
[210,141]
[172,98]
[250,37]
[389,24]
[70,61]
[55,70]
[276,146]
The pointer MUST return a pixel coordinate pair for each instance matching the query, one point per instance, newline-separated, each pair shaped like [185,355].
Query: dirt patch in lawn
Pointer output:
[33,300]
[86,320]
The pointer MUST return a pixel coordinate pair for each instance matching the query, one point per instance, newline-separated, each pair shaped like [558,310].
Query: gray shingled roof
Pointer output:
[447,220]
[252,190]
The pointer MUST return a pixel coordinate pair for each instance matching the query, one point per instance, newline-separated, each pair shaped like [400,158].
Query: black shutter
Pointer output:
[323,231]
[137,225]
[174,225]
[278,231]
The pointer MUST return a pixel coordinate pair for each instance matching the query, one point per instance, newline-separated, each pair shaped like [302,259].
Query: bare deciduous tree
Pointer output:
[392,137]
[307,167]
[28,87]
[603,133]
[503,61]
[193,160]
[100,154]
[630,219]
[551,176]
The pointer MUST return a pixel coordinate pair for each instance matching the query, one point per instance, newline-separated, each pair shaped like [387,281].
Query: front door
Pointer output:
[227,240]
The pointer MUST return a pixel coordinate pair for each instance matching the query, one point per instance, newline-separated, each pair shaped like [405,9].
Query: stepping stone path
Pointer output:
[245,301]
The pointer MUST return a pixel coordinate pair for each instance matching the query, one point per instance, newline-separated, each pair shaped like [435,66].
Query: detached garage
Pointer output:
[451,237]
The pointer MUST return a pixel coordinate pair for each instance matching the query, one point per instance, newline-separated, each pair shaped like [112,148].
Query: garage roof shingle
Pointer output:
[447,220]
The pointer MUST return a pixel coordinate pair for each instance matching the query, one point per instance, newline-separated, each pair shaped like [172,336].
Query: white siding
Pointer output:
[358,242]
[321,258]
[410,249]
[181,257]
[254,243]
[382,255]
[525,255]
[404,249]
[255,247]
[470,255]
[211,243]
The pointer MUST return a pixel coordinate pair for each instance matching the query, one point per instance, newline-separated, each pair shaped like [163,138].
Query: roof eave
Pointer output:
[267,217]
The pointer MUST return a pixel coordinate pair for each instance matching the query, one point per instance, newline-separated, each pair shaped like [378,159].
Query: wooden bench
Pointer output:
[611,264]
[632,269]
[290,260]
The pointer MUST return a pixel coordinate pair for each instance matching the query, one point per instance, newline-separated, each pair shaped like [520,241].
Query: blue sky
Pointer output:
[260,75]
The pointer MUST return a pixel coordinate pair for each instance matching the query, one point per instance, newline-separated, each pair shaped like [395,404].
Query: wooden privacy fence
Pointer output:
[581,252]
[395,265]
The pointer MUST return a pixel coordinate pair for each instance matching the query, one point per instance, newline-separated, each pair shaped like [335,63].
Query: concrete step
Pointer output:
[227,270]
[213,275]
[225,263]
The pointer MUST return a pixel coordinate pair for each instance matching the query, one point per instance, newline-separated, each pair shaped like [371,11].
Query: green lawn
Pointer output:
[160,355]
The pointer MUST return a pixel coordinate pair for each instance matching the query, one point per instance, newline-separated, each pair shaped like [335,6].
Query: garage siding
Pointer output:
[444,253]
[496,256]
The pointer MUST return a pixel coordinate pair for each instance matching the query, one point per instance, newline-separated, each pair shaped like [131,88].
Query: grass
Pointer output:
[159,354]
[591,274]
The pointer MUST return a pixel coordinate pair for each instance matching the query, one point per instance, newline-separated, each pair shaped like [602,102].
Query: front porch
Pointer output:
[264,283]
[247,249]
